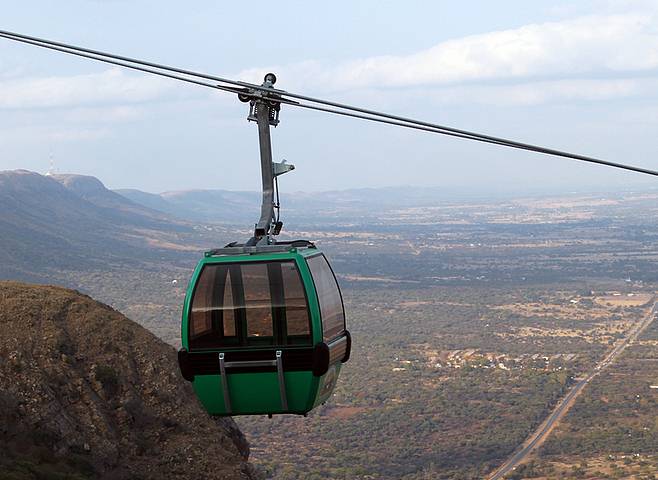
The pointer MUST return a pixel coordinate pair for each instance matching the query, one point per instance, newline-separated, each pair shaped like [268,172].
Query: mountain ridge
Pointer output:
[62,222]
[91,189]
[316,208]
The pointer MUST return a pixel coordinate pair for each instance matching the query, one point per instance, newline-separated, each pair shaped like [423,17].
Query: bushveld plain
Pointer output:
[470,320]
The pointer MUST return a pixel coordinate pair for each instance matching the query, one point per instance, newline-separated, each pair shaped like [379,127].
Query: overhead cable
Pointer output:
[248,89]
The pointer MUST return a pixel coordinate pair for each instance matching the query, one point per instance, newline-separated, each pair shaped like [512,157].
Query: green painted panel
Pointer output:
[257,393]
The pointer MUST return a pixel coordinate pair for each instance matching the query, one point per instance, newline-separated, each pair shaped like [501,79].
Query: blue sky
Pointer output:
[579,76]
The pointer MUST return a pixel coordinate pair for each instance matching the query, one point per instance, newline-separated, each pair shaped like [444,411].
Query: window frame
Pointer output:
[278,339]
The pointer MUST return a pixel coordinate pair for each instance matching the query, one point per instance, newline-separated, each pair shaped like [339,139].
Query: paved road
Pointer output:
[539,435]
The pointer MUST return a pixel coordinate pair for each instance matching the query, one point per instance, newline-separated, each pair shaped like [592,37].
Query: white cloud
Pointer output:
[13,72]
[53,134]
[112,86]
[522,59]
[594,45]
[541,92]
[105,114]
[77,134]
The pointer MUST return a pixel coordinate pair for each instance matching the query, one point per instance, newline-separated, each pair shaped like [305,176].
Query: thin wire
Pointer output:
[363,113]
[126,65]
[74,51]
[484,139]
[462,133]
[43,42]
[239,91]
[399,124]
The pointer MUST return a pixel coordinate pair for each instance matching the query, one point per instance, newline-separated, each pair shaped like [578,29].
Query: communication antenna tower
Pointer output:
[51,169]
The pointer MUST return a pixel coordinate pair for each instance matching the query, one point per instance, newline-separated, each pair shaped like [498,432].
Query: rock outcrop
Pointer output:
[87,393]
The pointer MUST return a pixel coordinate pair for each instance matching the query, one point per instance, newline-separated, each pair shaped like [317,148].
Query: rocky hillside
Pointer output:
[50,224]
[87,393]
[114,206]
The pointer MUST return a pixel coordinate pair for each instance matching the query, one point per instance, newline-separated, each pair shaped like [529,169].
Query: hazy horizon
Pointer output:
[463,192]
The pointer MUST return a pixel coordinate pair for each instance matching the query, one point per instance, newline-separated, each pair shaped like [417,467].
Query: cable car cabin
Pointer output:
[263,330]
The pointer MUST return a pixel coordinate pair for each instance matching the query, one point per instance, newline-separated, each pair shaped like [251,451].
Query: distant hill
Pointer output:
[319,209]
[92,190]
[218,206]
[87,393]
[236,207]
[73,222]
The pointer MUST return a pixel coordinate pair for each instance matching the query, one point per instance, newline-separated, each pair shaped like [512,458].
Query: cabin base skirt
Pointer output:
[259,393]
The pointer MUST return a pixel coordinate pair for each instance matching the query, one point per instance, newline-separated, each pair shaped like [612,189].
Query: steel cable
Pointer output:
[338,108]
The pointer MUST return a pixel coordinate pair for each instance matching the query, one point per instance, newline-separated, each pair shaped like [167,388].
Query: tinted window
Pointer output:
[212,314]
[202,306]
[295,301]
[257,300]
[331,304]
[259,303]
[228,313]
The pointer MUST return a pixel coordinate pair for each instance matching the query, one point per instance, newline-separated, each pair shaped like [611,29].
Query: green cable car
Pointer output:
[263,325]
[263,330]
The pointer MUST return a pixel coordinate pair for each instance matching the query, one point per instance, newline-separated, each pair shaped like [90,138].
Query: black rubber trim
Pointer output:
[348,348]
[207,363]
[184,364]
[321,357]
[314,359]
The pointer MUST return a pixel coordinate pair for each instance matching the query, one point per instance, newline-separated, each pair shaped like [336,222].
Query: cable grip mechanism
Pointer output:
[264,107]
[259,99]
